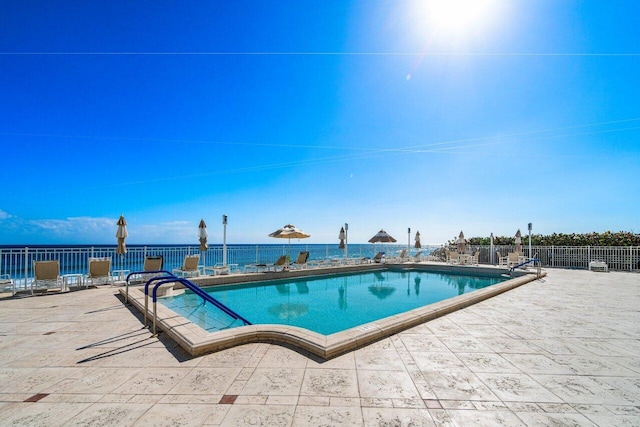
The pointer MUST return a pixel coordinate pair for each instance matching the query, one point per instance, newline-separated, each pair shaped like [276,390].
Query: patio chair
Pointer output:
[417,257]
[453,258]
[99,271]
[6,283]
[402,257]
[280,262]
[475,258]
[301,261]
[503,261]
[378,258]
[46,274]
[513,259]
[151,263]
[189,266]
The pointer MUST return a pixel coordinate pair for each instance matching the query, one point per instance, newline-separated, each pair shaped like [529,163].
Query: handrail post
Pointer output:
[26,268]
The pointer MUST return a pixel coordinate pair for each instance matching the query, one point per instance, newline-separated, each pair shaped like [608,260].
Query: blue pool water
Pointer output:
[325,304]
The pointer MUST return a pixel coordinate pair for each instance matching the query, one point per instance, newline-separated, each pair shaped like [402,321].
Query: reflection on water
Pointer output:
[289,311]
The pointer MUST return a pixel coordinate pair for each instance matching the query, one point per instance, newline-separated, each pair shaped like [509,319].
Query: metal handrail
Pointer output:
[126,298]
[195,289]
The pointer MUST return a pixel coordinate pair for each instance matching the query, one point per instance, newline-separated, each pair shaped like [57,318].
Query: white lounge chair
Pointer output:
[452,257]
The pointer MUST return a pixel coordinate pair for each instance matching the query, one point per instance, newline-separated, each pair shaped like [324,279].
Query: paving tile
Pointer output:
[459,385]
[327,416]
[175,415]
[206,381]
[402,417]
[152,381]
[579,389]
[485,418]
[386,385]
[536,364]
[538,419]
[330,382]
[486,362]
[41,413]
[109,414]
[271,381]
[261,415]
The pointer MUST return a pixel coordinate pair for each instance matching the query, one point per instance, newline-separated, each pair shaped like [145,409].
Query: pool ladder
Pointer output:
[166,278]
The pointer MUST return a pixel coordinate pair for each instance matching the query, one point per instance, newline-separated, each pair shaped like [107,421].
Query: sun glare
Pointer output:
[457,17]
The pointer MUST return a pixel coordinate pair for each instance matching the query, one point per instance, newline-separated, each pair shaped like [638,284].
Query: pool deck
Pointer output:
[564,350]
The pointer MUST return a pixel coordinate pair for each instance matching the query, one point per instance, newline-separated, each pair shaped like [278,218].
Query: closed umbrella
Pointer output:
[518,241]
[289,231]
[462,243]
[202,235]
[417,245]
[121,235]
[341,236]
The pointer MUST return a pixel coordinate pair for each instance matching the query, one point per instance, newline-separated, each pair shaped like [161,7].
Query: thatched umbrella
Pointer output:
[417,239]
[341,236]
[382,237]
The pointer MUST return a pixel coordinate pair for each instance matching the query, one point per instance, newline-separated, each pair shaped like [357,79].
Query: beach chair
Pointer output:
[417,257]
[301,261]
[46,274]
[6,283]
[378,258]
[189,267]
[452,257]
[402,257]
[475,258]
[503,261]
[99,271]
[151,263]
[513,259]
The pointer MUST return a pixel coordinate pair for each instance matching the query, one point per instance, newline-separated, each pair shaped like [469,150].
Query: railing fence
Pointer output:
[18,262]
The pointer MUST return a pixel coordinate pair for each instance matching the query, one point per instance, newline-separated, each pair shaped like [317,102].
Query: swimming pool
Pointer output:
[328,304]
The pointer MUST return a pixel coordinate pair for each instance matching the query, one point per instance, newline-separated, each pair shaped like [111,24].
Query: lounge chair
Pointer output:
[503,261]
[189,267]
[99,271]
[151,263]
[281,262]
[513,259]
[46,275]
[301,261]
[402,257]
[417,257]
[6,283]
[452,258]
[475,258]
[378,258]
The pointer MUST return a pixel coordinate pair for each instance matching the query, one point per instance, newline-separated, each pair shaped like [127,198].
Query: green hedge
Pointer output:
[620,238]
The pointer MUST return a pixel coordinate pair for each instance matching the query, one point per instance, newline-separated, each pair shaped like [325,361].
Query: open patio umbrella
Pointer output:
[202,235]
[462,243]
[121,235]
[382,237]
[341,236]
[518,241]
[289,231]
[417,245]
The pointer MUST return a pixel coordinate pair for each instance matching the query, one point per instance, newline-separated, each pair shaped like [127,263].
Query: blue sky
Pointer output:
[381,114]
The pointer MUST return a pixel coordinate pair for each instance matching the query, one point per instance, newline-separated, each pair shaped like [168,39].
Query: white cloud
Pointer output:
[4,215]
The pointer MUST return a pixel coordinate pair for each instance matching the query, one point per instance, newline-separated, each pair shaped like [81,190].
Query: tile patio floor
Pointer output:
[562,351]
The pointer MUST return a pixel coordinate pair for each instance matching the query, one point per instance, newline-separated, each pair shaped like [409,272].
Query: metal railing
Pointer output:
[17,262]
